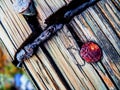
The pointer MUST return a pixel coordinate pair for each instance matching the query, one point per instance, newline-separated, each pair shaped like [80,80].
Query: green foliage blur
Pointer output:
[7,70]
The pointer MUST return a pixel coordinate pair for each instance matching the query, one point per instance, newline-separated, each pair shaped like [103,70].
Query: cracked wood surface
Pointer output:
[57,64]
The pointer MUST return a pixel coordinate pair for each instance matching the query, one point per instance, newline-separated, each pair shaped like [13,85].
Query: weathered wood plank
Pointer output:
[117,3]
[50,70]
[107,29]
[40,84]
[107,47]
[109,14]
[70,76]
[92,37]
[4,38]
[10,23]
[55,50]
[88,73]
[99,23]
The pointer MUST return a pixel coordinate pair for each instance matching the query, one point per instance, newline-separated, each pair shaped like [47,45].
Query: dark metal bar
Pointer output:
[54,23]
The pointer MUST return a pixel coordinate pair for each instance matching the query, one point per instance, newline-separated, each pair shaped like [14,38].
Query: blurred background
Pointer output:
[12,78]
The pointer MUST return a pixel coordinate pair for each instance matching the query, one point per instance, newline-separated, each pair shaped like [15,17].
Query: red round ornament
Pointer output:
[91,52]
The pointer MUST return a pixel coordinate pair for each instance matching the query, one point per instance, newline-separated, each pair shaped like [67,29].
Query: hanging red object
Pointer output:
[90,52]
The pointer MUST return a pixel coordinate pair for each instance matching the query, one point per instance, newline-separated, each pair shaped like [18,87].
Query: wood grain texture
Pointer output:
[57,64]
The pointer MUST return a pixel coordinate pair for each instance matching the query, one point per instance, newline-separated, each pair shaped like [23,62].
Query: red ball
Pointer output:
[91,52]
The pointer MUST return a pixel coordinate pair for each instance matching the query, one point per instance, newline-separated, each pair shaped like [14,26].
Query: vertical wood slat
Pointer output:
[88,36]
[111,16]
[98,66]
[106,65]
[63,47]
